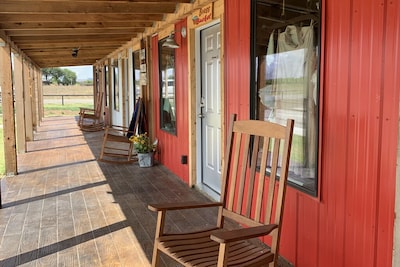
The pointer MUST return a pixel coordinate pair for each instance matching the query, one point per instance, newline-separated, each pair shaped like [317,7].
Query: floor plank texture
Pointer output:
[65,208]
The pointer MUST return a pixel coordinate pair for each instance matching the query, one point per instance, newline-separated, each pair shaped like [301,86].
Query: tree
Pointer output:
[59,76]
[69,77]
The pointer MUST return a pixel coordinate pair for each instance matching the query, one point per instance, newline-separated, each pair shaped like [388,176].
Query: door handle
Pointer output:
[201,115]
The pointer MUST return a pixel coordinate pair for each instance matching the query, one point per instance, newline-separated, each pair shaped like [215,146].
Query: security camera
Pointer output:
[75,52]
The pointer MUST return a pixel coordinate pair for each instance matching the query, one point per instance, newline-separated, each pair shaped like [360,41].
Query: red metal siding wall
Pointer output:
[352,222]
[237,64]
[172,147]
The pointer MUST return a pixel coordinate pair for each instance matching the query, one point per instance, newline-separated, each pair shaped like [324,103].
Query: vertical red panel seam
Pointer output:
[348,121]
[379,156]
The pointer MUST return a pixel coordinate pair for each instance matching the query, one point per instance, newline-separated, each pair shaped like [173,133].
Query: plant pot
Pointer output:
[145,159]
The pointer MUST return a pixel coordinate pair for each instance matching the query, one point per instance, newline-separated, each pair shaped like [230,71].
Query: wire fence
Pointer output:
[67,99]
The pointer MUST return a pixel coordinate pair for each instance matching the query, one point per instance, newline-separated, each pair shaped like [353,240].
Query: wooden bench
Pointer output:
[254,182]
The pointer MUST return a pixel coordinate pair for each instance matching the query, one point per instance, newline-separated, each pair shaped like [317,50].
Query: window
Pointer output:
[167,88]
[106,85]
[285,75]
[116,87]
[136,74]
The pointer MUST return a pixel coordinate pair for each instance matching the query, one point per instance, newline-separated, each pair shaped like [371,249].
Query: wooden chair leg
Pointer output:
[156,257]
[130,151]
[159,232]
[222,255]
[104,144]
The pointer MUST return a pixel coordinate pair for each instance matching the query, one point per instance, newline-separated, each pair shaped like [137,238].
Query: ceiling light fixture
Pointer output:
[75,52]
[170,42]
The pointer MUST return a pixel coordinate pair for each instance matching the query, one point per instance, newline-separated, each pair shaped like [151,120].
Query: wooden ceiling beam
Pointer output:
[34,46]
[20,17]
[113,1]
[84,52]
[67,7]
[48,63]
[74,25]
[74,32]
[76,38]
[43,46]
[48,30]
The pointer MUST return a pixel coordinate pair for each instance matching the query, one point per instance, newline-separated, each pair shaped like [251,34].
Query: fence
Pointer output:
[74,98]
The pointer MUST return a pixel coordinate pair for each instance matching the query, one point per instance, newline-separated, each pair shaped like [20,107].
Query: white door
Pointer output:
[210,109]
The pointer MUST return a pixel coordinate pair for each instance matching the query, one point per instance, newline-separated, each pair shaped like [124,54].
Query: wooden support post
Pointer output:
[34,98]
[10,151]
[40,94]
[109,85]
[28,102]
[124,91]
[19,103]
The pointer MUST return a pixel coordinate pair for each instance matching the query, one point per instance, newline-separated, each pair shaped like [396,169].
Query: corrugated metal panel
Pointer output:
[390,88]
[363,132]
[172,147]
[237,64]
[352,222]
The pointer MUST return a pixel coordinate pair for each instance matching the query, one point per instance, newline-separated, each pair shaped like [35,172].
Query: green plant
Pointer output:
[142,143]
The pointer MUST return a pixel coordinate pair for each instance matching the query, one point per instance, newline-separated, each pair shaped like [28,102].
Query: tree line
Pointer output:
[58,76]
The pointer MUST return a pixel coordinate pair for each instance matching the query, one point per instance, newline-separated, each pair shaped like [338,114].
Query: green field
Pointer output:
[64,110]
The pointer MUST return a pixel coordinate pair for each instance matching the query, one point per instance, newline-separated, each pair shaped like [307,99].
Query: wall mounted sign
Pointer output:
[203,15]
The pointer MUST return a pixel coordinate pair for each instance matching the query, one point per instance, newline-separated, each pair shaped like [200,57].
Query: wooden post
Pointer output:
[19,103]
[40,94]
[34,98]
[28,102]
[110,81]
[124,90]
[10,152]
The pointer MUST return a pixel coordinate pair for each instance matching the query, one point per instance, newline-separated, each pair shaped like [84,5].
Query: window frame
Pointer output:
[163,127]
[136,74]
[313,191]
[116,91]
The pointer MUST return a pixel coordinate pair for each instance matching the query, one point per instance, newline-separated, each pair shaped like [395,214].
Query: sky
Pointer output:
[83,73]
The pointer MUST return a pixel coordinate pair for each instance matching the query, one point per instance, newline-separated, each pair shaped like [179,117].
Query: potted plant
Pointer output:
[144,148]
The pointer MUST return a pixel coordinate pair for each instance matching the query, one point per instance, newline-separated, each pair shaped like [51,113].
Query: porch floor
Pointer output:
[65,208]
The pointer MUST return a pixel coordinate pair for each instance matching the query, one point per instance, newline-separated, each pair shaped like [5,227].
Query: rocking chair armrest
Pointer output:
[118,128]
[86,109]
[181,206]
[242,234]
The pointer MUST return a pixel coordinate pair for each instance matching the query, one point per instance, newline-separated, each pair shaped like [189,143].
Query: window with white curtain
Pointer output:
[285,78]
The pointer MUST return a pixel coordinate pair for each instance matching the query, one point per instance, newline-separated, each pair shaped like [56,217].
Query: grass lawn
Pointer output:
[64,110]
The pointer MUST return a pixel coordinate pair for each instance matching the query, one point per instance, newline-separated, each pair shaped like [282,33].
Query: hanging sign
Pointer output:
[203,15]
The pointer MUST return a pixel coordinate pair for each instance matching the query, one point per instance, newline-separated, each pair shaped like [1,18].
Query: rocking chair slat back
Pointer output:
[257,170]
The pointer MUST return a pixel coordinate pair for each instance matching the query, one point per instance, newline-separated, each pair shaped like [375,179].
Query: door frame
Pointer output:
[198,146]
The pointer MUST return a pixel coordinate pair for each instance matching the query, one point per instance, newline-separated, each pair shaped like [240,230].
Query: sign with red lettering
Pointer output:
[203,15]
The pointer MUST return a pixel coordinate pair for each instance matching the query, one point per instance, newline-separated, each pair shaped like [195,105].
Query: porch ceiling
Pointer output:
[47,31]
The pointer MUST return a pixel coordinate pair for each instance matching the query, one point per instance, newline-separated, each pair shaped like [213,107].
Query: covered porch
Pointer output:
[65,208]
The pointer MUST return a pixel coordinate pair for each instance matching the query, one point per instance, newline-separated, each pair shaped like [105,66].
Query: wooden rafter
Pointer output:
[48,30]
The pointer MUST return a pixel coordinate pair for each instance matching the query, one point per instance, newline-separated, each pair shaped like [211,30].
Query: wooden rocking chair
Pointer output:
[253,191]
[116,147]
[90,120]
